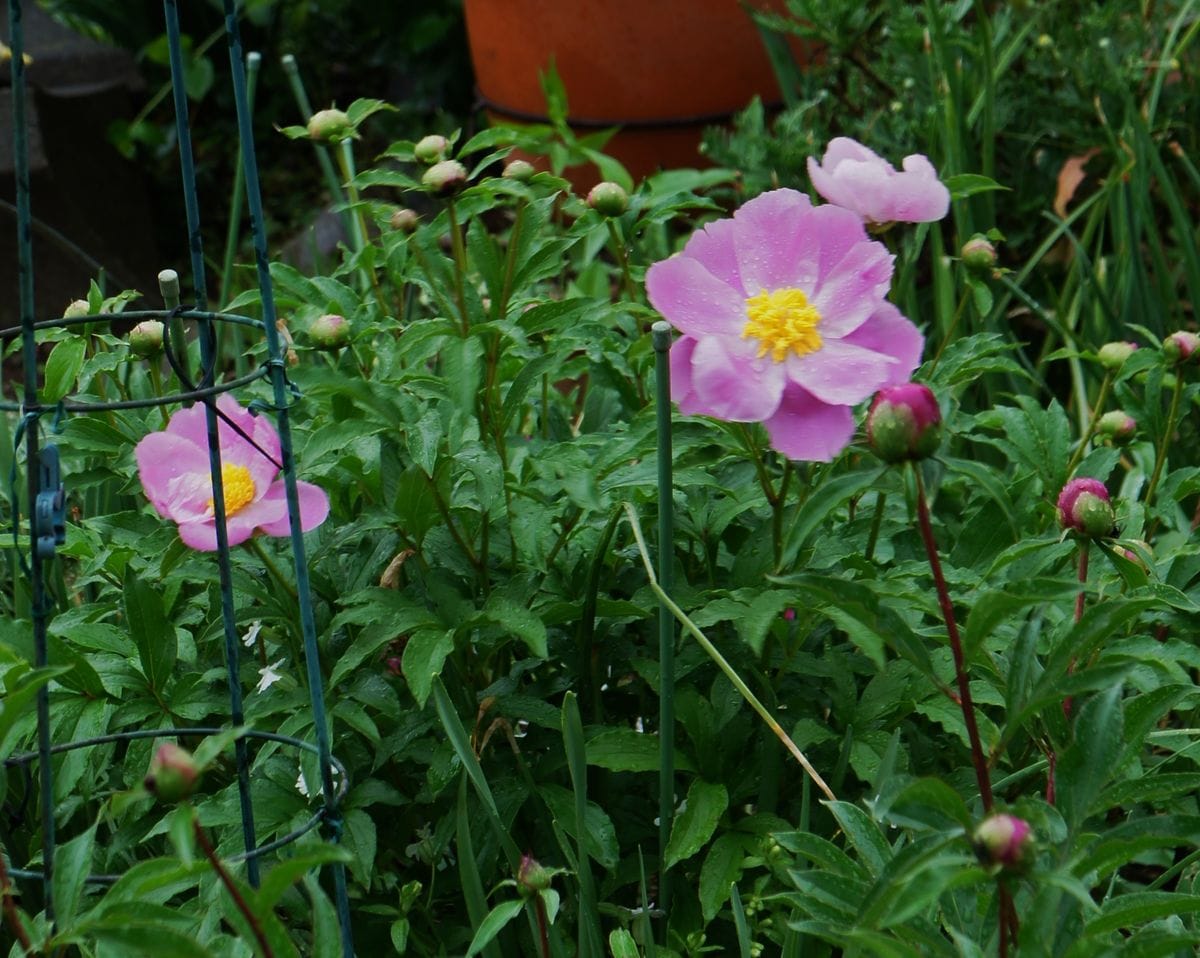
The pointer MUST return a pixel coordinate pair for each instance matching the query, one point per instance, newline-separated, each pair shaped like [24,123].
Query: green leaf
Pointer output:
[128,937]
[821,503]
[1086,766]
[520,621]
[862,832]
[424,438]
[598,833]
[291,870]
[626,750]
[62,369]
[155,637]
[694,826]
[493,924]
[721,869]
[72,865]
[1130,911]
[622,945]
[423,658]
[989,609]
[963,185]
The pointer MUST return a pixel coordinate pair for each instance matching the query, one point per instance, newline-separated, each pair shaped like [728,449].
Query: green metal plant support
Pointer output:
[44,497]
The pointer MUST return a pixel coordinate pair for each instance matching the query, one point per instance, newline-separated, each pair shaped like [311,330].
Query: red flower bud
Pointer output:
[1004,840]
[1180,346]
[904,423]
[1084,507]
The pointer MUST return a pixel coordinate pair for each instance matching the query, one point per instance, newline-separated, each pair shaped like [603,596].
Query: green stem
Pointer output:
[256,546]
[359,231]
[1077,455]
[1165,442]
[960,663]
[958,315]
[460,267]
[876,522]
[691,628]
[622,255]
[444,509]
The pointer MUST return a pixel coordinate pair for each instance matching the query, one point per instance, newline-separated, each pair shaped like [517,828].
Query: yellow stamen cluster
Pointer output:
[239,488]
[782,321]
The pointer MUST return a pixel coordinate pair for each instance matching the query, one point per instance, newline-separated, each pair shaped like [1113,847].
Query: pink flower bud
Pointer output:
[1118,427]
[431,149]
[330,125]
[330,331]
[1180,346]
[1112,355]
[1084,507]
[608,199]
[904,423]
[1004,840]
[173,774]
[445,178]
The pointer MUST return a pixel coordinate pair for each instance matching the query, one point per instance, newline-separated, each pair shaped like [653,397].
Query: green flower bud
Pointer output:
[518,170]
[330,331]
[405,220]
[608,199]
[1084,507]
[978,254]
[1004,840]
[430,149]
[77,308]
[533,877]
[445,178]
[331,125]
[1112,355]
[1180,347]
[146,338]
[173,774]
[1118,427]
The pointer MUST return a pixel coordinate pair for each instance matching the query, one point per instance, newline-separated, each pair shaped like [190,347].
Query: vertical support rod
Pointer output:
[661,333]
[279,384]
[40,609]
[208,361]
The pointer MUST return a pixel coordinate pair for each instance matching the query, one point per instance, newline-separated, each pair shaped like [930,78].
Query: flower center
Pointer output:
[238,486]
[782,320]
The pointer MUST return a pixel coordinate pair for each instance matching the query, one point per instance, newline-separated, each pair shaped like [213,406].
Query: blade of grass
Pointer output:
[590,942]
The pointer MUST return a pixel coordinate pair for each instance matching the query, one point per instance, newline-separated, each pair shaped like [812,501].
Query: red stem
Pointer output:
[10,909]
[242,906]
[960,664]
[540,906]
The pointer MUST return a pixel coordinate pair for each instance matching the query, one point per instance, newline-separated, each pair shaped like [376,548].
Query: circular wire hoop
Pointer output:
[325,813]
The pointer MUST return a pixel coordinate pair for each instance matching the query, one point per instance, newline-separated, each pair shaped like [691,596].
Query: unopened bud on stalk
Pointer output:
[532,877]
[445,178]
[173,774]
[146,338]
[518,170]
[1118,427]
[904,423]
[1084,507]
[430,149]
[330,331]
[1112,355]
[330,125]
[76,308]
[1180,347]
[1004,840]
[405,220]
[608,199]
[978,253]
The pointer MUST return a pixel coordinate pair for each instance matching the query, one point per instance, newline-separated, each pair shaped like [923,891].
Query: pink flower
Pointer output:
[174,471]
[858,179]
[784,320]
[1004,840]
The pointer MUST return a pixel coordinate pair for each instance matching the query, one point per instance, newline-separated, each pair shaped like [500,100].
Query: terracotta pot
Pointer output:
[662,70]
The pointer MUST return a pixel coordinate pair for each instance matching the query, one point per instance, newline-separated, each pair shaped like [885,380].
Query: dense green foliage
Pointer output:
[487,626]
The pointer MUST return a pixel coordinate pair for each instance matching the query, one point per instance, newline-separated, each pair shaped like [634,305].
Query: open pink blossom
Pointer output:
[784,322]
[174,470]
[858,179]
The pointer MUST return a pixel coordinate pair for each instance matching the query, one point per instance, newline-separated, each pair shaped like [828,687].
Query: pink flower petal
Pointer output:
[731,383]
[164,458]
[887,331]
[840,373]
[693,300]
[314,508]
[769,236]
[856,178]
[200,535]
[682,392]
[713,248]
[853,289]
[805,428]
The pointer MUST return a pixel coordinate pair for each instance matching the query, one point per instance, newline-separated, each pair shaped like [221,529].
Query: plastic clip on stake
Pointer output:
[49,513]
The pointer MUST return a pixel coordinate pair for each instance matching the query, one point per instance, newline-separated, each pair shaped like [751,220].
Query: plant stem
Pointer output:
[541,918]
[255,546]
[1078,454]
[234,893]
[10,909]
[719,659]
[1165,443]
[876,522]
[460,267]
[960,665]
[622,255]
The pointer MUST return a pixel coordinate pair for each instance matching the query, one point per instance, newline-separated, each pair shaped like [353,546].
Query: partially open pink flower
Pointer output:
[784,320]
[1084,507]
[858,179]
[174,471]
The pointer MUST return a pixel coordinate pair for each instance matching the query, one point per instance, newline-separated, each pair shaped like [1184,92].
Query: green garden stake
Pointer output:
[168,287]
[661,332]
[238,197]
